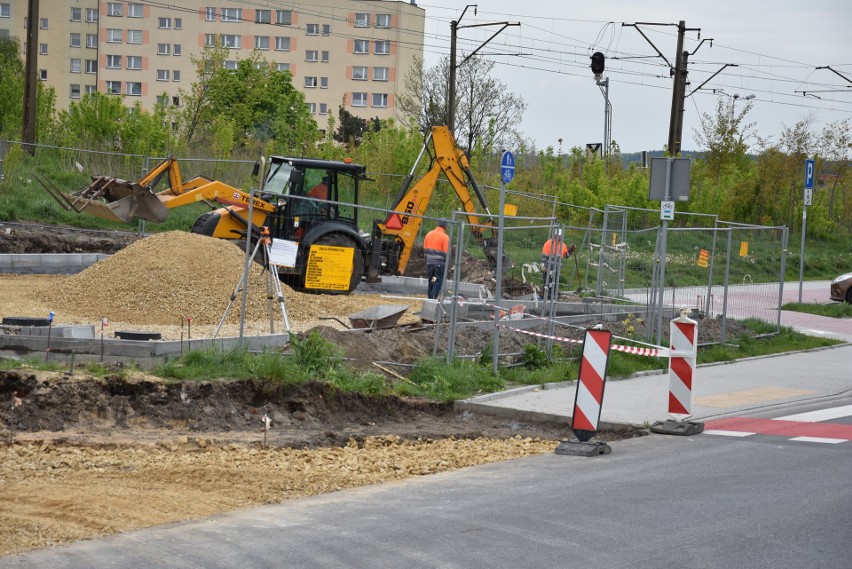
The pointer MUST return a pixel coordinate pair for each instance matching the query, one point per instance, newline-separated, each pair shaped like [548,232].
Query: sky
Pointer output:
[773,48]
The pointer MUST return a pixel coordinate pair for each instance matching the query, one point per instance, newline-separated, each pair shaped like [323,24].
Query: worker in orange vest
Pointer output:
[552,253]
[436,246]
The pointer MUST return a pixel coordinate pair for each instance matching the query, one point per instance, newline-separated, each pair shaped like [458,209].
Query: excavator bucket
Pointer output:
[110,198]
[489,246]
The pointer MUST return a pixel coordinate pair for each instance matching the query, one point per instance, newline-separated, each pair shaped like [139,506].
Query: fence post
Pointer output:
[723,336]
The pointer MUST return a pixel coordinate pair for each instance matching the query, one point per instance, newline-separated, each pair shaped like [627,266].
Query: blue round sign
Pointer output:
[507,167]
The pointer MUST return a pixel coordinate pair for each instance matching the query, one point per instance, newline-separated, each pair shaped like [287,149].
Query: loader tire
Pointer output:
[338,240]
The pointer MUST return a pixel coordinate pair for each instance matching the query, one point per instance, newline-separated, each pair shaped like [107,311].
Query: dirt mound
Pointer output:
[35,238]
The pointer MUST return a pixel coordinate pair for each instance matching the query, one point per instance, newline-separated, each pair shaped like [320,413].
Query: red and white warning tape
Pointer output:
[658,352]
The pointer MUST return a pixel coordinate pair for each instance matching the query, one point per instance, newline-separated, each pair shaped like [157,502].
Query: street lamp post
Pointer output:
[736,97]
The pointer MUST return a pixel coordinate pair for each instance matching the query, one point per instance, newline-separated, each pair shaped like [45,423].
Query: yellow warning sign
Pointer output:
[703,256]
[329,268]
[510,209]
[743,248]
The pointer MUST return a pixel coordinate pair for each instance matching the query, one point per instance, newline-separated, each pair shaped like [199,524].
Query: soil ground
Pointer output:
[86,456]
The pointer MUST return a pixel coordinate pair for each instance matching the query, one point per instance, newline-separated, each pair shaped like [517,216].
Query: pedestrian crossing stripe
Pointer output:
[794,429]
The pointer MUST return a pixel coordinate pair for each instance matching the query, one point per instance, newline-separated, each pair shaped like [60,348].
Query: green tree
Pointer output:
[256,102]
[11,88]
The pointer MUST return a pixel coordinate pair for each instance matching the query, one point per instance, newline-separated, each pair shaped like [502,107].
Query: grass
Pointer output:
[312,358]
[833,310]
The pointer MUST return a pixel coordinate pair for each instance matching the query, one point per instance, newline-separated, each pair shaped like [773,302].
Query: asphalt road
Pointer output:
[655,502]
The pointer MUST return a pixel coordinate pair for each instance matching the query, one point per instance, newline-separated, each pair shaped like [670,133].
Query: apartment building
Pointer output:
[351,52]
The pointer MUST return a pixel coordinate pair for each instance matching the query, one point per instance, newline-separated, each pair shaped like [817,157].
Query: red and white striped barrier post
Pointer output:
[683,353]
[589,397]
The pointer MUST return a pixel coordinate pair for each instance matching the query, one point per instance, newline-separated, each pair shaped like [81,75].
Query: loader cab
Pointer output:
[310,192]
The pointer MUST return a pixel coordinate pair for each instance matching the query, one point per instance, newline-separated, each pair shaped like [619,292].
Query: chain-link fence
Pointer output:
[716,270]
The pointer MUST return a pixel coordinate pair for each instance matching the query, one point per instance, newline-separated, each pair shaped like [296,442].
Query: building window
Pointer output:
[135,10]
[323,82]
[232,15]
[5,10]
[113,87]
[313,108]
[323,108]
[383,20]
[310,82]
[134,62]
[113,61]
[91,89]
[42,49]
[178,23]
[210,14]
[231,41]
[42,74]
[311,55]
[162,100]
[382,47]
[75,92]
[176,103]
[176,75]
[92,41]
[77,16]
[324,58]
[75,66]
[312,29]
[282,44]
[380,100]
[359,99]
[229,64]
[362,46]
[134,37]
[113,35]
[209,40]
[263,16]
[91,66]
[164,49]
[134,88]
[43,23]
[176,50]
[114,8]
[380,73]
[326,29]
[164,23]
[91,14]
[75,40]
[359,73]
[282,66]
[261,42]
[362,20]
[284,17]
[162,74]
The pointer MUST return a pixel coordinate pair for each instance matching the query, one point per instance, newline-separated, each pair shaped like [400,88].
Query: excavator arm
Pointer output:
[413,201]
[121,200]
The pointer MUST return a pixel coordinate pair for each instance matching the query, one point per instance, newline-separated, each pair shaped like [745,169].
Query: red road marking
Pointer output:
[781,428]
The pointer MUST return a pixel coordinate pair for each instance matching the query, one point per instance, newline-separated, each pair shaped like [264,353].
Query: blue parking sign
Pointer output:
[809,174]
[507,167]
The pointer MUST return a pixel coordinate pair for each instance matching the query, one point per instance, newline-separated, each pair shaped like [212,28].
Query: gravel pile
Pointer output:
[167,276]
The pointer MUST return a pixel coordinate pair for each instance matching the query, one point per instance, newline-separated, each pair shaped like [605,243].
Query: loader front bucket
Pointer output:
[111,198]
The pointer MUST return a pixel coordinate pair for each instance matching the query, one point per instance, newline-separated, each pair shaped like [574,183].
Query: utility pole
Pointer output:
[679,71]
[454,28]
[28,135]
[451,95]
[677,93]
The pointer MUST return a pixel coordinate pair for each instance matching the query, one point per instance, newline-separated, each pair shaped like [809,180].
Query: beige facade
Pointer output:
[351,52]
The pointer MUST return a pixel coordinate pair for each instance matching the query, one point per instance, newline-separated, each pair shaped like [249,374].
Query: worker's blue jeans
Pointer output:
[435,274]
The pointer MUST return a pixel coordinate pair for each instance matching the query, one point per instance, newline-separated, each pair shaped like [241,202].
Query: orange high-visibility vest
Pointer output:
[548,247]
[435,246]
